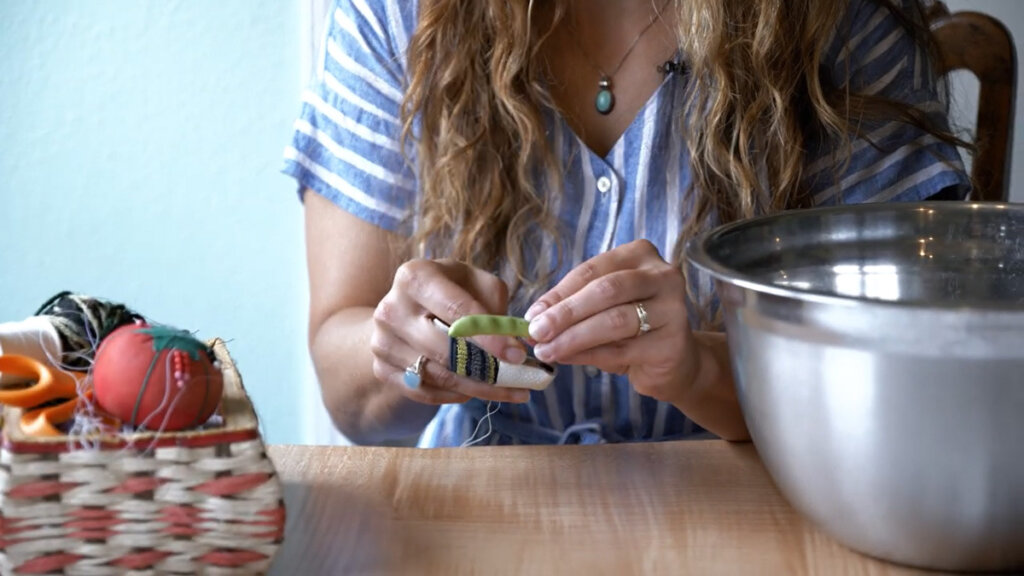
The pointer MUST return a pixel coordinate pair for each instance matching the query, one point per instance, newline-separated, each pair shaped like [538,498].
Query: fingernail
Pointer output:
[542,352]
[523,397]
[515,355]
[537,308]
[539,328]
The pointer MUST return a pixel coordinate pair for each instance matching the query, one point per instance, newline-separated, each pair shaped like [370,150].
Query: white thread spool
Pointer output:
[34,337]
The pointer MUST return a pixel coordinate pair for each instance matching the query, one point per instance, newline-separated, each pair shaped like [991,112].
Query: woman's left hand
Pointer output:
[593,317]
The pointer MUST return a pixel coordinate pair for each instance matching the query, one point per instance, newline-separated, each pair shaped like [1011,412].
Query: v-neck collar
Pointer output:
[635,124]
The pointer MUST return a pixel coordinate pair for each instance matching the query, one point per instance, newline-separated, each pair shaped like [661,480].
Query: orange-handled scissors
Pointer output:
[50,401]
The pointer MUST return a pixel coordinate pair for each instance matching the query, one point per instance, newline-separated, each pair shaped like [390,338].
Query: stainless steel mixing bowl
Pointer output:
[879,360]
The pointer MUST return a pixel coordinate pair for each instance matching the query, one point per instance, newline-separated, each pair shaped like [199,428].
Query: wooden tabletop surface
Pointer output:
[701,507]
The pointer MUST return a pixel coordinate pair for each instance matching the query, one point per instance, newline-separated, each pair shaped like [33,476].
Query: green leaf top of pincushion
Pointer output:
[167,338]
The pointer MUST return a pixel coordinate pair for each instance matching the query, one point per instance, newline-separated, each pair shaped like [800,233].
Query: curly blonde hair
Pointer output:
[476,91]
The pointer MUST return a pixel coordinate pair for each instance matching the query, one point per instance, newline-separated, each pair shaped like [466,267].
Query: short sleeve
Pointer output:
[346,144]
[873,53]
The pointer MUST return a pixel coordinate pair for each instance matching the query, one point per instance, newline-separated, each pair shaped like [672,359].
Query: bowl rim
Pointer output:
[697,254]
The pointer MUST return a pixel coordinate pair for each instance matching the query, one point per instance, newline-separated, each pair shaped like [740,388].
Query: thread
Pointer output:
[81,321]
[487,416]
[87,426]
[35,338]
[469,360]
[144,425]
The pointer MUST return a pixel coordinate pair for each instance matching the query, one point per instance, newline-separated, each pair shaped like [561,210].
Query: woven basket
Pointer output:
[195,502]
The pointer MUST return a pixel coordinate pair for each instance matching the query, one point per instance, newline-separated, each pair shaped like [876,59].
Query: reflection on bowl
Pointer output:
[879,360]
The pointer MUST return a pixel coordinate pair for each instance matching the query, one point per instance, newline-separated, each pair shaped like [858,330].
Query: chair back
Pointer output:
[981,44]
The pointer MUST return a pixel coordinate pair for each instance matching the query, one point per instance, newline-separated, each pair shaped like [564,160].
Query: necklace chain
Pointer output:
[605,77]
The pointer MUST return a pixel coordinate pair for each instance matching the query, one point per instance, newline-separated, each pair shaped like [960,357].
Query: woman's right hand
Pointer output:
[404,329]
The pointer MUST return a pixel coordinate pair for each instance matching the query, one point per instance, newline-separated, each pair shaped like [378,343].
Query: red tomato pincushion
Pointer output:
[156,377]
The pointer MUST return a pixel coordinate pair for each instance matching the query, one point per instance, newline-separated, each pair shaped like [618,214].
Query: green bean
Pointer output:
[486,324]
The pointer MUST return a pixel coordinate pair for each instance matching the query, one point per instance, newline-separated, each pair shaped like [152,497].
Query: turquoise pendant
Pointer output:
[605,100]
[411,379]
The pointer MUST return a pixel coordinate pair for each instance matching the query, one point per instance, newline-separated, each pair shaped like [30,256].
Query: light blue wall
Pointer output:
[140,143]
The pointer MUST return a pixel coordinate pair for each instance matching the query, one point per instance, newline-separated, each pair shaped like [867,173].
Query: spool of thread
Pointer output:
[34,337]
[82,322]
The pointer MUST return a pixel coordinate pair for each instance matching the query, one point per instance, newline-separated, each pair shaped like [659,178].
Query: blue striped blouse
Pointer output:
[345,147]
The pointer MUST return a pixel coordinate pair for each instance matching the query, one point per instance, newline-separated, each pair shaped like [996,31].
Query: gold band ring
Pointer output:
[641,314]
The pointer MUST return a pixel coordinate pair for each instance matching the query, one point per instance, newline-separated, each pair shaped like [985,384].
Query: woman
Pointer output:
[550,159]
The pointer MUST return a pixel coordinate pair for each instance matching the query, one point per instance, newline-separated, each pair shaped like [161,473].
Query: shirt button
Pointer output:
[591,371]
[604,184]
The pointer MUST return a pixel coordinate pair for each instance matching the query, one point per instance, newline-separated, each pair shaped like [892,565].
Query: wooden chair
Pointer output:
[981,44]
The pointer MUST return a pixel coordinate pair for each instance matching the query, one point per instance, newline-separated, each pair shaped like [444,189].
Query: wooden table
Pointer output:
[702,507]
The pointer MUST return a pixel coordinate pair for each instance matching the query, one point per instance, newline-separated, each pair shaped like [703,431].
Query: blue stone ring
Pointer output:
[412,373]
